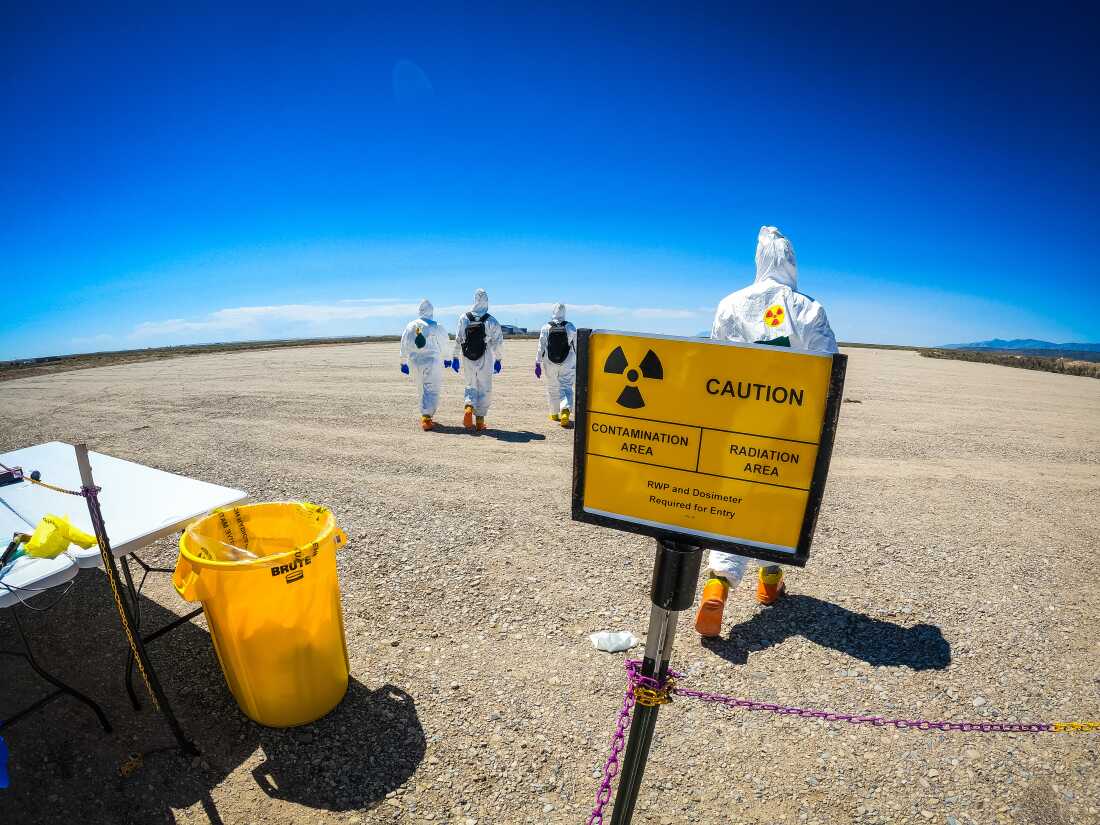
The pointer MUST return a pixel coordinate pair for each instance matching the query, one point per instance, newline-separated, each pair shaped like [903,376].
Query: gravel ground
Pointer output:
[954,576]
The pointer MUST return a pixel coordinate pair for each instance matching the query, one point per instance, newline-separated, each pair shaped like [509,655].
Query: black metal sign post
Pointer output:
[675,573]
[126,610]
[630,437]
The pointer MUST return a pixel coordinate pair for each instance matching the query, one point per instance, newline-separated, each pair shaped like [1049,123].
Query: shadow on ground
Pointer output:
[65,768]
[516,437]
[370,745]
[512,437]
[877,642]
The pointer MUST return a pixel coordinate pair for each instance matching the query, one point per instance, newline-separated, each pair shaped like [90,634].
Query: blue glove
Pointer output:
[3,764]
[455,365]
[446,365]
[405,369]
[496,366]
[538,370]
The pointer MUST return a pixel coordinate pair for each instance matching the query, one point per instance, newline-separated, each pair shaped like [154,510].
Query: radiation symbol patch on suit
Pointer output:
[775,315]
[616,364]
[420,340]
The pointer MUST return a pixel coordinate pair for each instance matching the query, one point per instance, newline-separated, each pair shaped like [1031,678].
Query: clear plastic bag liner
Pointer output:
[244,536]
[215,550]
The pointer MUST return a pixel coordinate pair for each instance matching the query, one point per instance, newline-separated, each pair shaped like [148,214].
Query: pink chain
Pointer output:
[856,719]
[635,680]
[611,767]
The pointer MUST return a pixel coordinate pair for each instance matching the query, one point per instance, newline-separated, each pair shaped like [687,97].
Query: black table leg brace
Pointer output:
[62,688]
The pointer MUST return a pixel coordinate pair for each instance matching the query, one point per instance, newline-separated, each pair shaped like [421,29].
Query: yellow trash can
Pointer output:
[266,577]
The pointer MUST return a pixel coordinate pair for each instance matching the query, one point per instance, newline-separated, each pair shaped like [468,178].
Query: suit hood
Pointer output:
[775,258]
[481,302]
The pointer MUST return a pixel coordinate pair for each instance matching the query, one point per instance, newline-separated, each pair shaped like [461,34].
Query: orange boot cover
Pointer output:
[426,422]
[708,621]
[468,418]
[480,423]
[770,587]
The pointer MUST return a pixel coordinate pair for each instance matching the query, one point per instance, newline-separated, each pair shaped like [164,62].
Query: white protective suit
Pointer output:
[771,311]
[479,373]
[559,378]
[426,361]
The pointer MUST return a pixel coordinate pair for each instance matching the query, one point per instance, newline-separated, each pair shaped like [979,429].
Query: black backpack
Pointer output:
[557,342]
[474,345]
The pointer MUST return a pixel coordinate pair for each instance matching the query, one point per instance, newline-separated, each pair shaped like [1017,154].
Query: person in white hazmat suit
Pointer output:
[424,348]
[770,311]
[557,358]
[480,343]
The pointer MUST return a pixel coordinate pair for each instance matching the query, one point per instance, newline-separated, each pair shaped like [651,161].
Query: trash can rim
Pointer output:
[329,533]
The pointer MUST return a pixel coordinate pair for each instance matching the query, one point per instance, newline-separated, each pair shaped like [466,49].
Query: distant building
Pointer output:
[511,329]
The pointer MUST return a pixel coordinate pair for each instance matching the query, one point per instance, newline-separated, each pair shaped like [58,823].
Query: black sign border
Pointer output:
[817,483]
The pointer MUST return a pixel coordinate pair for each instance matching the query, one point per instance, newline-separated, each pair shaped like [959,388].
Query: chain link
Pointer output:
[649,692]
[92,494]
[646,691]
[1076,727]
[611,767]
[57,489]
[651,697]
[31,480]
[878,721]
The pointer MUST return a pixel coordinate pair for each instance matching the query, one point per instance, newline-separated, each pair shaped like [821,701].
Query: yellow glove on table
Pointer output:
[53,535]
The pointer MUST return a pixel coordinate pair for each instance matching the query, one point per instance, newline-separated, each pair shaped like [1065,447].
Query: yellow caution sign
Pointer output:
[717,444]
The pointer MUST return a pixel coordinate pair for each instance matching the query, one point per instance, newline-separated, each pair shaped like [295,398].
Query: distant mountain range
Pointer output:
[1024,344]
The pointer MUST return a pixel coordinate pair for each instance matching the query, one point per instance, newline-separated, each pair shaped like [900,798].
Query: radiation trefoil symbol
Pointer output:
[775,316]
[616,364]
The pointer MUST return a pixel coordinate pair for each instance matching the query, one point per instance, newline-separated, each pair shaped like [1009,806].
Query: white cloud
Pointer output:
[257,319]
[378,301]
[242,319]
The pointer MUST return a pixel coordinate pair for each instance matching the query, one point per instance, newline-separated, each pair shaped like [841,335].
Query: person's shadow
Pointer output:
[447,429]
[877,642]
[516,437]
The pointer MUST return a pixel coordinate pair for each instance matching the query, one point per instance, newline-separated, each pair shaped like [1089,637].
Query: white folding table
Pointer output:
[139,505]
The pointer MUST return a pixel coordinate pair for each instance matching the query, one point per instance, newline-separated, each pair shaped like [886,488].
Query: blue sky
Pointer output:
[228,175]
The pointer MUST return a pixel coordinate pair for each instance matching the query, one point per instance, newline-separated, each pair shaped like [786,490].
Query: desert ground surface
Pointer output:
[954,576]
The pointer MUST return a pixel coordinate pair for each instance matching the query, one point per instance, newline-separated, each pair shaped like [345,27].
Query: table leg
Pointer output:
[135,702]
[135,699]
[95,513]
[62,688]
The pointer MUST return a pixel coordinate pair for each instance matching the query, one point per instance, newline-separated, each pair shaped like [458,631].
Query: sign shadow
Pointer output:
[874,641]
